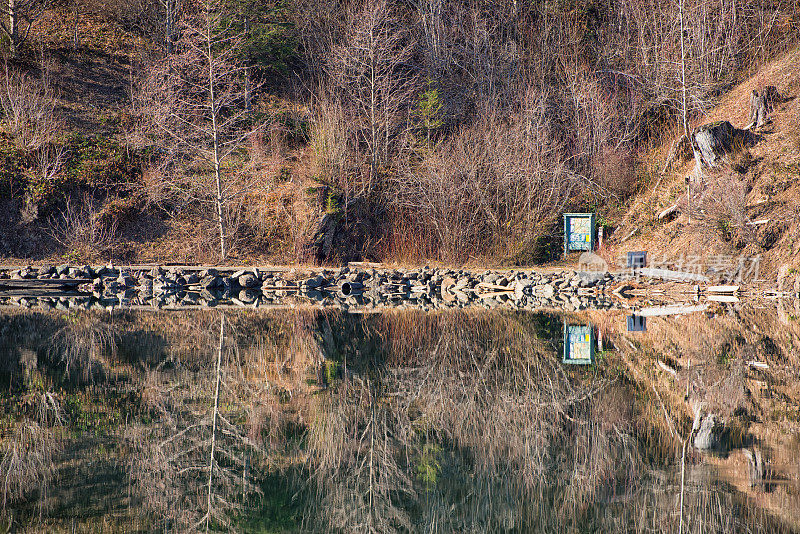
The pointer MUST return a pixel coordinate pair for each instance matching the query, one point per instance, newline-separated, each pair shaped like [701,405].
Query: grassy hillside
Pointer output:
[758,183]
[382,130]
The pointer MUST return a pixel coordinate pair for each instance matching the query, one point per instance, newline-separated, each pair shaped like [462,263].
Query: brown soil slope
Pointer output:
[758,183]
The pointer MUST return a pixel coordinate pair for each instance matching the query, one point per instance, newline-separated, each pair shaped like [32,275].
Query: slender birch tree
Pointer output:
[368,78]
[17,18]
[194,101]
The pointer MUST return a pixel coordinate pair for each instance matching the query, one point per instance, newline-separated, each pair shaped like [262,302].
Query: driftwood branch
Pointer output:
[669,211]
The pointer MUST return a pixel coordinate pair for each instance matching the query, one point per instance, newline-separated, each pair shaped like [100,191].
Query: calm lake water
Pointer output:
[471,421]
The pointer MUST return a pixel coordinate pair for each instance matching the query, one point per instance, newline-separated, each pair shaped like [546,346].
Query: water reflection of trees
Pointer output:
[468,422]
[398,422]
[474,425]
[737,363]
[194,465]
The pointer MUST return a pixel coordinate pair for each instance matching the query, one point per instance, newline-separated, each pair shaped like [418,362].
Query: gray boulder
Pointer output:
[707,437]
[247,280]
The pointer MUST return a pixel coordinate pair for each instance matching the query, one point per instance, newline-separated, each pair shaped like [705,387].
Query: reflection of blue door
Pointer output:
[637,323]
[578,231]
[578,344]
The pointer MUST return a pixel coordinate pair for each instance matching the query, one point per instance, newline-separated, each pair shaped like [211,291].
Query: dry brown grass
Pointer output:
[766,187]
[710,354]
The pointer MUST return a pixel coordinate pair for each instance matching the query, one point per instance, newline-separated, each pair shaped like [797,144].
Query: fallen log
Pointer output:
[38,283]
[666,274]
[632,232]
[667,368]
[671,309]
[722,298]
[722,289]
[667,212]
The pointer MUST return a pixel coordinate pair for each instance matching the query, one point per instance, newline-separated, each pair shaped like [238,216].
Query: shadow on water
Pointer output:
[475,421]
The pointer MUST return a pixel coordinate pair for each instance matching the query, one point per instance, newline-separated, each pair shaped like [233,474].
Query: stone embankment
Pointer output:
[347,288]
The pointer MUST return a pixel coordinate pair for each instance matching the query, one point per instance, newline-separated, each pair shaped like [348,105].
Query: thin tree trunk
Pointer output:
[685,442]
[372,465]
[683,478]
[372,105]
[373,133]
[683,71]
[247,90]
[170,8]
[215,131]
[685,113]
[214,420]
[13,34]
[75,25]
[219,202]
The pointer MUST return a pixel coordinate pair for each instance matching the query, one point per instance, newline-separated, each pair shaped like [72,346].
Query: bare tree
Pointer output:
[365,73]
[29,108]
[684,112]
[169,21]
[17,18]
[195,101]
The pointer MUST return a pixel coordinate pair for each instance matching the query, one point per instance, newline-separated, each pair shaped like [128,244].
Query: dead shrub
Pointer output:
[616,171]
[29,109]
[80,229]
[721,208]
[406,242]
[48,160]
[333,156]
[492,189]
[156,188]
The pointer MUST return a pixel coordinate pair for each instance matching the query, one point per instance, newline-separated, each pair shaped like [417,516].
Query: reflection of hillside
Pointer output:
[468,416]
[110,416]
[739,363]
[489,432]
[393,422]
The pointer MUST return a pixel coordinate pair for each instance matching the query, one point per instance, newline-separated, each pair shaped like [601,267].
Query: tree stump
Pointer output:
[761,105]
[321,244]
[758,110]
[771,97]
[711,142]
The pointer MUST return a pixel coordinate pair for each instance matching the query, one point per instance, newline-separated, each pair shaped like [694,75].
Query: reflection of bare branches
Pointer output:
[195,457]
[27,461]
[516,426]
[46,408]
[214,418]
[81,344]
[356,449]
[440,422]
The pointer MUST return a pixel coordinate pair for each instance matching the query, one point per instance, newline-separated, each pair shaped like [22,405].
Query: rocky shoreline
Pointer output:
[348,288]
[425,288]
